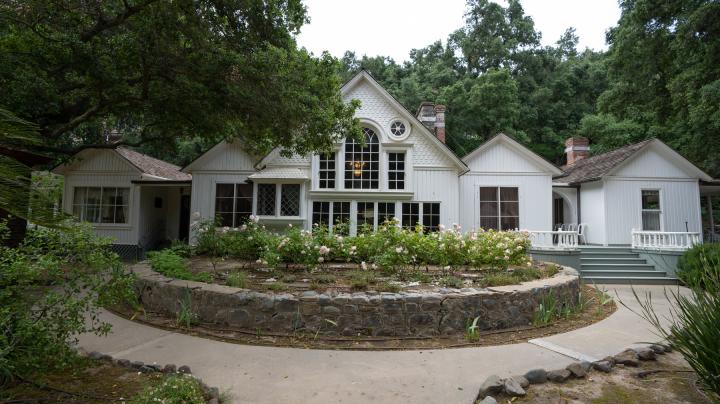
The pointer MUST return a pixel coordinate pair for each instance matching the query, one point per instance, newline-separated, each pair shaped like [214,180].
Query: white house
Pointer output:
[404,170]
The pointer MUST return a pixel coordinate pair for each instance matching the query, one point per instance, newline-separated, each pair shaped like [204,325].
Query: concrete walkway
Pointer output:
[256,374]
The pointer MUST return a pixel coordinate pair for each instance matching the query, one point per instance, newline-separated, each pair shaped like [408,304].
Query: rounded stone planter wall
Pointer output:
[442,311]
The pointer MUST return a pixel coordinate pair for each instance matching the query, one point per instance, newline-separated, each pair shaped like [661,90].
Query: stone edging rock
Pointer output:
[169,368]
[515,386]
[443,311]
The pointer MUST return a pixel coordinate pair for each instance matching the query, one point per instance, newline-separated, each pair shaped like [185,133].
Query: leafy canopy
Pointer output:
[159,70]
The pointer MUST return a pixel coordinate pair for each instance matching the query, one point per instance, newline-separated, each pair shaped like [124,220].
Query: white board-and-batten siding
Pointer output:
[105,168]
[501,165]
[592,211]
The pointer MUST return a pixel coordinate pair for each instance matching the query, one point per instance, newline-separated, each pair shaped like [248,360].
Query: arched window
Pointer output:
[362,162]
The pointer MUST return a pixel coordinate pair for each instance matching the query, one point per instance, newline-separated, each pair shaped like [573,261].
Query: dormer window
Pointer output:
[362,162]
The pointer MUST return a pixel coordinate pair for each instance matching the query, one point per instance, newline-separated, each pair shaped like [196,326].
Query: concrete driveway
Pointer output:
[258,374]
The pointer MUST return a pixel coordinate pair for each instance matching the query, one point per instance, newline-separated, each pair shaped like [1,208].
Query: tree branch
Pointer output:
[103,24]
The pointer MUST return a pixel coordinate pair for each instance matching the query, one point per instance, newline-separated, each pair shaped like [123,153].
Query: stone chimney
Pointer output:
[576,148]
[440,122]
[433,117]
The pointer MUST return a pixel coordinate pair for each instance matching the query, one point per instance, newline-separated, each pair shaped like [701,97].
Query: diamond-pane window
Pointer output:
[290,200]
[266,200]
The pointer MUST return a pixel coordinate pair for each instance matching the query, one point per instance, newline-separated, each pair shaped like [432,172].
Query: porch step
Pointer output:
[624,274]
[617,267]
[661,280]
[612,260]
[602,254]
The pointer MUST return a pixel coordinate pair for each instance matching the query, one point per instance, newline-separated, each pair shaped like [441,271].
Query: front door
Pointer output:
[184,230]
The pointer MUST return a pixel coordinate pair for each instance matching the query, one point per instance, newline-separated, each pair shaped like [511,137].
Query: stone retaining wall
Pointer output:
[440,311]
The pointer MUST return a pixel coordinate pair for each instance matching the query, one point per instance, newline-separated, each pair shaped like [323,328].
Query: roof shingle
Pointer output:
[595,167]
[152,166]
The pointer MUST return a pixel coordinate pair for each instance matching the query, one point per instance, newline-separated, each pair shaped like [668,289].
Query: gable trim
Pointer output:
[188,168]
[364,75]
[64,168]
[515,145]
[675,157]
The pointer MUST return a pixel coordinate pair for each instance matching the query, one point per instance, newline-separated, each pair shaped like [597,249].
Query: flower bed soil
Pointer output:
[593,312]
[350,277]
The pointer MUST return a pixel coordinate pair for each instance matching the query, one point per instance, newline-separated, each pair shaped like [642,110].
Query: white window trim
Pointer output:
[520,198]
[126,225]
[399,211]
[408,129]
[404,171]
[661,216]
[278,191]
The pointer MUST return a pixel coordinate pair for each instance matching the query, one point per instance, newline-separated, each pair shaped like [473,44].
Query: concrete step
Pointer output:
[599,280]
[617,267]
[623,274]
[612,260]
[600,254]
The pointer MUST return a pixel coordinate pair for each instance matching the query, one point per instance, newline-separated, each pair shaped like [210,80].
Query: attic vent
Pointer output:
[397,128]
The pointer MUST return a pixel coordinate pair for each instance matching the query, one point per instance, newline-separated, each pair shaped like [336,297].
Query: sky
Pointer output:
[394,27]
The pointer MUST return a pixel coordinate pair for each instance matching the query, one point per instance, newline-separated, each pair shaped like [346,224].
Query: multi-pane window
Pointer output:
[365,215]
[290,200]
[431,216]
[651,210]
[341,217]
[410,214]
[321,213]
[101,204]
[386,212]
[326,170]
[499,208]
[396,170]
[233,203]
[362,162]
[266,199]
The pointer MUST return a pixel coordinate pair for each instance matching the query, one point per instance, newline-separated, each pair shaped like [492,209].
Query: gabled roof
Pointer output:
[514,144]
[365,75]
[596,167]
[148,167]
[152,166]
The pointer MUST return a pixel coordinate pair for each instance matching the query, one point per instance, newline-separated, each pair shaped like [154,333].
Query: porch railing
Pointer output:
[664,240]
[559,239]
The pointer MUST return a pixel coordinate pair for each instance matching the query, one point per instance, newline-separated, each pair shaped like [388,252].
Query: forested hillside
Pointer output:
[659,78]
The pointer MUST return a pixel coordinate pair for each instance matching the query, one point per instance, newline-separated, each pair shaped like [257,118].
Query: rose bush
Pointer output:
[389,248]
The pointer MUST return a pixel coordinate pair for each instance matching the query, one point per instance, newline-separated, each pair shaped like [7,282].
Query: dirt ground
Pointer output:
[87,382]
[676,383]
[593,311]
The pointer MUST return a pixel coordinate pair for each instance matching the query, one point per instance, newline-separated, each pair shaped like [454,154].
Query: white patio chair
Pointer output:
[581,233]
[571,227]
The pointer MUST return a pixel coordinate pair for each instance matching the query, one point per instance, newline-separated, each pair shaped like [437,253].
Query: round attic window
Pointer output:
[399,129]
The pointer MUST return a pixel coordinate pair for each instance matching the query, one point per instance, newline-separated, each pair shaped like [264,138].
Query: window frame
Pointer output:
[100,223]
[659,211]
[327,172]
[234,213]
[394,172]
[352,151]
[277,207]
[498,201]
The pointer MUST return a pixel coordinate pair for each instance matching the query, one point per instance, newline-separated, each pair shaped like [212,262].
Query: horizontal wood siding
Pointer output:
[534,191]
[679,202]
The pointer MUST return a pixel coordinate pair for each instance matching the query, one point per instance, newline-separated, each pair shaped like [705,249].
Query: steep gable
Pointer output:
[653,162]
[379,108]
[224,156]
[502,154]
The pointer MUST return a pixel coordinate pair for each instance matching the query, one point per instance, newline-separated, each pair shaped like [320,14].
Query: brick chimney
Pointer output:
[433,117]
[440,122]
[576,148]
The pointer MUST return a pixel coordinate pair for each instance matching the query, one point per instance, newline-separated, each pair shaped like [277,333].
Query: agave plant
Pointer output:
[694,323]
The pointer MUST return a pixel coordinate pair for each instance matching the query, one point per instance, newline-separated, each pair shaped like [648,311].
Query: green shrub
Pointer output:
[170,264]
[390,248]
[690,265]
[237,279]
[49,286]
[186,317]
[452,282]
[174,389]
[387,287]
[276,286]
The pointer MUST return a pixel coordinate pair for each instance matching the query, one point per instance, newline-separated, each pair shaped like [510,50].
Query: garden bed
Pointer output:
[352,277]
